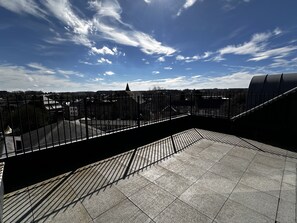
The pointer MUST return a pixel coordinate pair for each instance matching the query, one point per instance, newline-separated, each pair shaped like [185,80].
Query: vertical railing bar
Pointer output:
[21,126]
[86,118]
[27,114]
[36,124]
[63,118]
[2,129]
[69,122]
[43,119]
[51,126]
[12,125]
[58,128]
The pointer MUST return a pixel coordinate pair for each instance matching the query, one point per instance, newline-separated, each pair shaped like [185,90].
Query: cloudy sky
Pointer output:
[80,45]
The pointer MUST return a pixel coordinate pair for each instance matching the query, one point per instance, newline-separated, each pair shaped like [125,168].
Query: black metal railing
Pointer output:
[31,122]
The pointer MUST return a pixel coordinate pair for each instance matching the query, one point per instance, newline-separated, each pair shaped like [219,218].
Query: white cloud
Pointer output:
[106,23]
[23,7]
[104,50]
[155,72]
[257,47]
[103,60]
[62,10]
[161,59]
[40,68]
[187,4]
[68,73]
[148,1]
[276,53]
[167,68]
[188,59]
[22,78]
[108,73]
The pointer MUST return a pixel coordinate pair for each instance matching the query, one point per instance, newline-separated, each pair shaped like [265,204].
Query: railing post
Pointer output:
[229,104]
[191,103]
[170,107]
[86,118]
[138,111]
[3,134]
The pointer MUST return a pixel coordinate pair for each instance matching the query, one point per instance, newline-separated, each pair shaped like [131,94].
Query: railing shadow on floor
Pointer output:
[48,198]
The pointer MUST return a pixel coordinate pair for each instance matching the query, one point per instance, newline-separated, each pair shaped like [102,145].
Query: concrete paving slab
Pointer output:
[286,212]
[243,153]
[17,207]
[229,172]
[74,213]
[290,166]
[261,183]
[290,178]
[215,152]
[217,183]
[204,143]
[194,150]
[86,180]
[153,172]
[258,201]
[196,161]
[173,183]
[179,212]
[152,199]
[233,212]
[270,160]
[132,184]
[267,171]
[288,192]
[124,212]
[101,201]
[235,162]
[204,200]
[50,196]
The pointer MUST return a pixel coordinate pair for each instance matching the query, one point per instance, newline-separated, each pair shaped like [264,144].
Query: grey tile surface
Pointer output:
[267,171]
[286,212]
[152,199]
[233,212]
[102,200]
[153,172]
[17,207]
[235,162]
[261,183]
[258,201]
[74,213]
[217,183]
[179,212]
[173,183]
[204,200]
[212,178]
[124,212]
[132,184]
[290,178]
[232,173]
[288,192]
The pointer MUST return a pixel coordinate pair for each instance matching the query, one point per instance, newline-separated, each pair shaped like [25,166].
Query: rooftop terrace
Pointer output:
[192,176]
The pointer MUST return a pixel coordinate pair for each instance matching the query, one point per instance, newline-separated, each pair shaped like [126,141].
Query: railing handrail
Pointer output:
[260,106]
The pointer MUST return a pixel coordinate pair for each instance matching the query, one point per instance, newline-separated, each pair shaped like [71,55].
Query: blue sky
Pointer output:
[64,45]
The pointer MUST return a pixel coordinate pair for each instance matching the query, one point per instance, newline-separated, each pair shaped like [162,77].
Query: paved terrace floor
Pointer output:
[213,177]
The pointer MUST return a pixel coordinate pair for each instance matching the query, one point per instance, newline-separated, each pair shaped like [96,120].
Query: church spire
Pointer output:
[127,87]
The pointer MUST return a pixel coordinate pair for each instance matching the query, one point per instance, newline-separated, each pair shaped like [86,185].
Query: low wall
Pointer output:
[30,168]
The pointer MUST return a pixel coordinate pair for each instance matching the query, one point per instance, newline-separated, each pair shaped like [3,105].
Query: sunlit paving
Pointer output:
[229,179]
